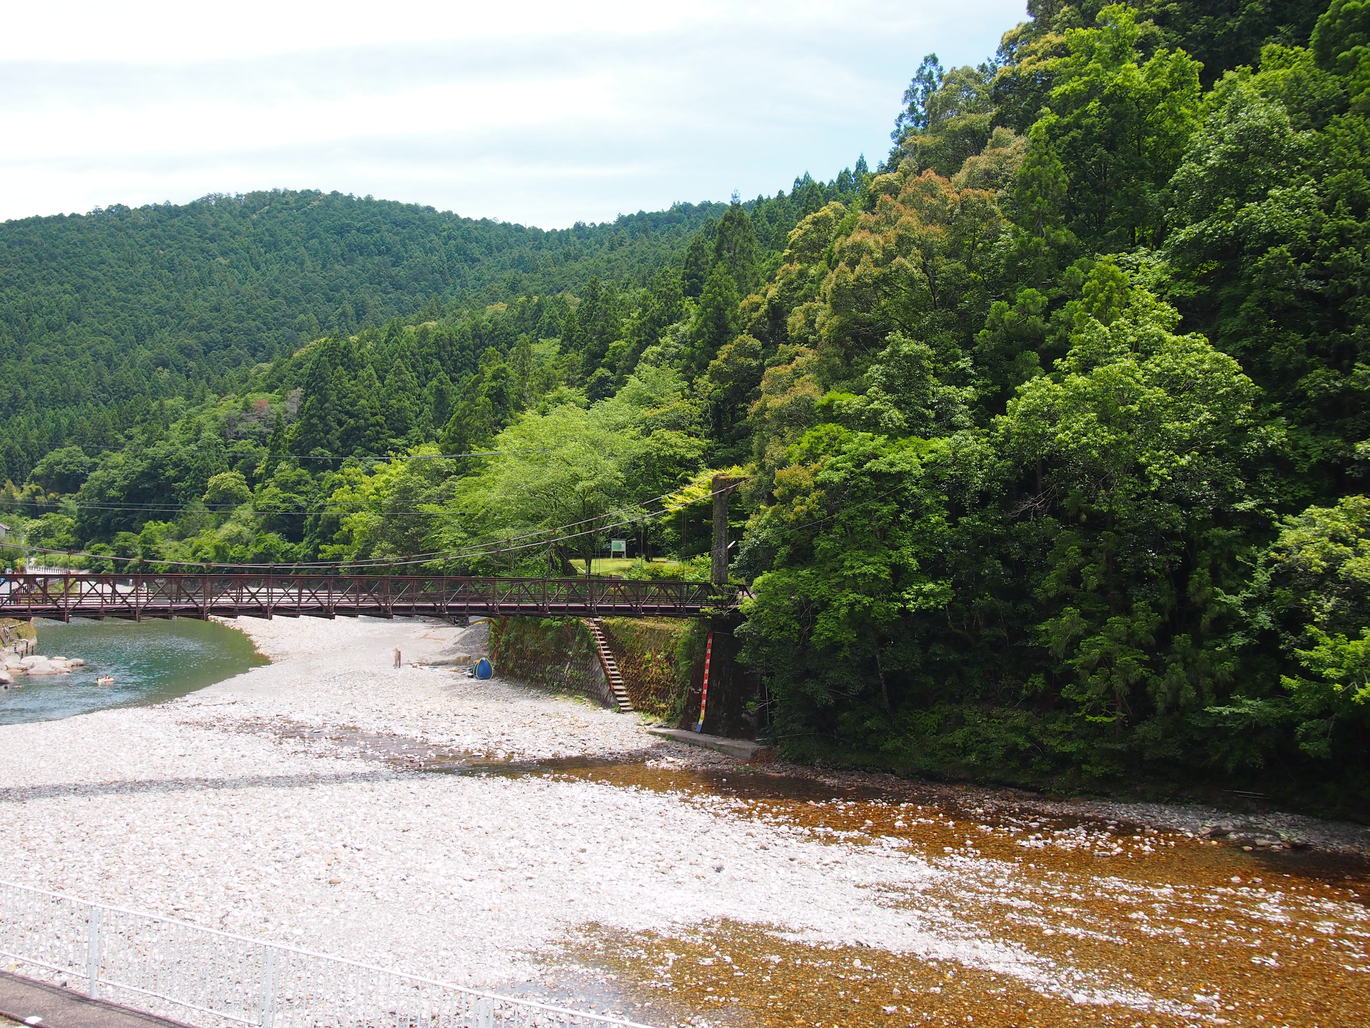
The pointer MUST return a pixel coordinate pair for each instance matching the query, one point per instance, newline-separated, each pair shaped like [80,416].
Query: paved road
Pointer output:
[22,1000]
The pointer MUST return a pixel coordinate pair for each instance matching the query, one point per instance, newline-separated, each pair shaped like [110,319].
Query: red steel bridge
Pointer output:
[134,597]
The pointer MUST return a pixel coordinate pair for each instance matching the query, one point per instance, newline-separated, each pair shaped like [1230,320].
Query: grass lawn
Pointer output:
[616,565]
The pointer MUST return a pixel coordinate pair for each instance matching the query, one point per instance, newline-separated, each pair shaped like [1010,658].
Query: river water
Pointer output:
[150,661]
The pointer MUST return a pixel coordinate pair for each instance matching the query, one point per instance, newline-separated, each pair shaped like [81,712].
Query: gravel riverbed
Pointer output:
[283,804]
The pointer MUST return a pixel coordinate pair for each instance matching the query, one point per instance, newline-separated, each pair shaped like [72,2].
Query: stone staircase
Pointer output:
[611,671]
[13,641]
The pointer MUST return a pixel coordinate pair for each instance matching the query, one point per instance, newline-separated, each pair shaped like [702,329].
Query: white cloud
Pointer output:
[172,30]
[570,111]
[165,127]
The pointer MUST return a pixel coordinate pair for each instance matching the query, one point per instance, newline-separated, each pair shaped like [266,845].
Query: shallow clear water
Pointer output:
[150,661]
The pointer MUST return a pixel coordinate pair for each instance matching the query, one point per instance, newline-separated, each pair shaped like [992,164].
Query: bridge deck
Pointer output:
[134,597]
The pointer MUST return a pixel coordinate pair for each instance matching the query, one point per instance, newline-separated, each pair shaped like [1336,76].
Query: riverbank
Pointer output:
[508,722]
[17,640]
[566,846]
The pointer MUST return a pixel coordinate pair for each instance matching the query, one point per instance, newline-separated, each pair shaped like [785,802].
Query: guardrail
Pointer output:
[175,969]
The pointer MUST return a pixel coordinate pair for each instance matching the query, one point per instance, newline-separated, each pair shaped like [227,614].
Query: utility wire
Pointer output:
[398,456]
[507,545]
[211,508]
[504,547]
[153,508]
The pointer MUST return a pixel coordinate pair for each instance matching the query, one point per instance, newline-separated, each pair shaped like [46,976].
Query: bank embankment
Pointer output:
[18,661]
[17,637]
[662,660]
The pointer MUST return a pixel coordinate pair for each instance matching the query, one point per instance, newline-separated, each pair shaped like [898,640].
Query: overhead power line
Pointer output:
[400,456]
[212,508]
[157,508]
[508,545]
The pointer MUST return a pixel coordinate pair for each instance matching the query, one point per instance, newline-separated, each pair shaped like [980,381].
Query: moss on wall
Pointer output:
[551,653]
[661,659]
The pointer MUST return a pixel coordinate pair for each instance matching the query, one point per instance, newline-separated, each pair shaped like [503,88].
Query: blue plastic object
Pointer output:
[484,669]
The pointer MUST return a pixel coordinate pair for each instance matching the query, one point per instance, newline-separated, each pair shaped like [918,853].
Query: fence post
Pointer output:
[268,1004]
[93,952]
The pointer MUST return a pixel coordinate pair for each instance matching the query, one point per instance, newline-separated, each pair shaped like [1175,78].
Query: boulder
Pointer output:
[38,666]
[1249,836]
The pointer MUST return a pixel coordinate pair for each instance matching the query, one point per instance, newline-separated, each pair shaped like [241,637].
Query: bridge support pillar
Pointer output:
[722,488]
[735,708]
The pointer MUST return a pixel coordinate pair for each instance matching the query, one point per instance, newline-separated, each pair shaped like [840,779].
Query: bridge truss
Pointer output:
[134,597]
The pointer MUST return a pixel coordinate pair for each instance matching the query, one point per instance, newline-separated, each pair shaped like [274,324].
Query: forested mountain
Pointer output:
[148,422]
[103,313]
[1056,427]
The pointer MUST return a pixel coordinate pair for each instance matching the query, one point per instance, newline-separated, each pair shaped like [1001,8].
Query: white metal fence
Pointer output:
[207,977]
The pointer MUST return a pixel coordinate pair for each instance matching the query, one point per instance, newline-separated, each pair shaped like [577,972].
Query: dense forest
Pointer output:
[1056,425]
[104,314]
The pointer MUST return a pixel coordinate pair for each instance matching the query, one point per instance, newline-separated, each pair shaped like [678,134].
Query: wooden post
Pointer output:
[722,488]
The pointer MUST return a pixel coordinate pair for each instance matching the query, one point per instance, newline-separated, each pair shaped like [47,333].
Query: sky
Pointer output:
[542,113]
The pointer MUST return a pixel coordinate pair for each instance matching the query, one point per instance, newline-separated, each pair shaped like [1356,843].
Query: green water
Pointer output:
[150,661]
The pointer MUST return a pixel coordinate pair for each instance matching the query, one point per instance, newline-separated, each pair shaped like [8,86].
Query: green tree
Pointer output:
[853,552]
[914,116]
[716,321]
[283,501]
[560,477]
[62,470]
[1341,41]
[1119,125]
[1312,593]
[593,326]
[1134,454]
[402,404]
[388,511]
[227,489]
[1270,241]
[735,247]
[958,120]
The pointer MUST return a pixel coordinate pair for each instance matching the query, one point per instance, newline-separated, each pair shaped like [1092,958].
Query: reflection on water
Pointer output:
[150,661]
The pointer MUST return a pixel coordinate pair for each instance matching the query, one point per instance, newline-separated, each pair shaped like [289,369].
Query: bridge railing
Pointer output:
[180,970]
[202,595]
